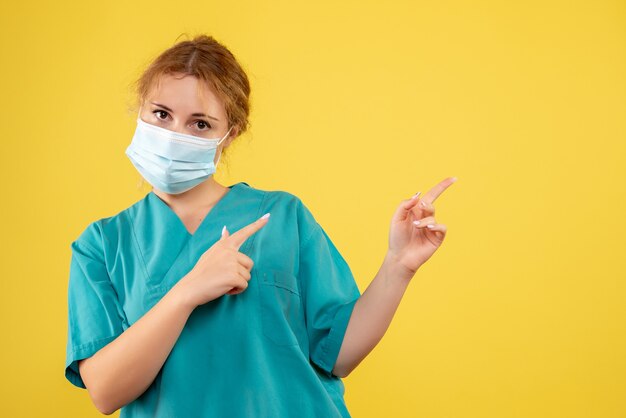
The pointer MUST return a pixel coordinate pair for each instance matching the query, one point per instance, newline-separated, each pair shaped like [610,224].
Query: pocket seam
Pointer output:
[270,279]
[274,280]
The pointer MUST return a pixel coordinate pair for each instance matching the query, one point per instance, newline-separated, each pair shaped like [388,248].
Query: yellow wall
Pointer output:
[356,105]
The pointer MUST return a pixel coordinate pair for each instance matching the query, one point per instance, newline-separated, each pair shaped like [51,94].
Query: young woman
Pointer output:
[194,301]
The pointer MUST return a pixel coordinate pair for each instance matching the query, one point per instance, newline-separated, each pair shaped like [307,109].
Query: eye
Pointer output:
[160,112]
[202,123]
[162,116]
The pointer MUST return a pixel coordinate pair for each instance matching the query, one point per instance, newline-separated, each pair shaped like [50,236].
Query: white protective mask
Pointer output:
[171,161]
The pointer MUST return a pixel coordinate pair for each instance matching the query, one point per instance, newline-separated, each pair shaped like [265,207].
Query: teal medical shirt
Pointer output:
[266,352]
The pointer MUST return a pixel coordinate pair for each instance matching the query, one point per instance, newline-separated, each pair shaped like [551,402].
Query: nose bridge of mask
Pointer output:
[161,144]
[184,138]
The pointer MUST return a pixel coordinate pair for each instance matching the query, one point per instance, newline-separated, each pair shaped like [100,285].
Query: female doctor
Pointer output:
[195,301]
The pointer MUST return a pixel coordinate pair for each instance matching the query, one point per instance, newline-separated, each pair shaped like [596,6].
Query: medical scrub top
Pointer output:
[266,352]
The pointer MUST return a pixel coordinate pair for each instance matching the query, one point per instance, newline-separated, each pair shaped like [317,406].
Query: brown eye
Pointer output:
[160,112]
[202,124]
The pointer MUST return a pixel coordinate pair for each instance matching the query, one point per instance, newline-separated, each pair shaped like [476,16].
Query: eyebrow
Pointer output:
[193,114]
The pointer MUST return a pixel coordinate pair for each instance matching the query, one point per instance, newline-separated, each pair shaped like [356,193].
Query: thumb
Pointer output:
[225,232]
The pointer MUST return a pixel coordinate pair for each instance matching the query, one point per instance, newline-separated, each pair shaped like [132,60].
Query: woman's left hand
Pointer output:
[411,245]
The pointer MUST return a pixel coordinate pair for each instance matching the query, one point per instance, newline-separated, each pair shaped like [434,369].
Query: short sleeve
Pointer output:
[95,317]
[329,292]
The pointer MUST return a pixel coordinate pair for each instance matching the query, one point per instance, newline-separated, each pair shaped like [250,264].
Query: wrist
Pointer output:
[181,296]
[395,268]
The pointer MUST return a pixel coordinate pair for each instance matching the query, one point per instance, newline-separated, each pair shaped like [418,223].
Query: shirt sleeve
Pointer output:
[95,316]
[329,292]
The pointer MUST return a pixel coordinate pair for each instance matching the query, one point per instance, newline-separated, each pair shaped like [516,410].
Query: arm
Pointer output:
[410,245]
[122,370]
[119,372]
[372,315]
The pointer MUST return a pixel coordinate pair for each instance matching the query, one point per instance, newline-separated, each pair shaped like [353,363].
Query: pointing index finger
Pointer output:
[239,237]
[438,189]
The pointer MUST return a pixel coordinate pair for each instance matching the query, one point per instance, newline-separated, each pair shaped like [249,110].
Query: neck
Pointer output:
[203,195]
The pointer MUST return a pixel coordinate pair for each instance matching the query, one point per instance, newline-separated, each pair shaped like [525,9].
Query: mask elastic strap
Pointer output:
[218,143]
[224,137]
[218,159]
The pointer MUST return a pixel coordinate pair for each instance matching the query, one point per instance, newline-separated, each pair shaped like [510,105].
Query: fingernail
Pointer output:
[267,215]
[430,226]
[223,229]
[415,195]
[416,222]
[453,179]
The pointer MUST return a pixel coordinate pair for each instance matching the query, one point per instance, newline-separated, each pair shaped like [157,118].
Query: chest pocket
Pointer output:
[282,314]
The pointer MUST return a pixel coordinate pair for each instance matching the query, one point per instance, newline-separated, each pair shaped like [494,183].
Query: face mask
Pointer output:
[171,161]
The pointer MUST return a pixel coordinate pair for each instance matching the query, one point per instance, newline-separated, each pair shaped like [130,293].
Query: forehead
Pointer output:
[186,94]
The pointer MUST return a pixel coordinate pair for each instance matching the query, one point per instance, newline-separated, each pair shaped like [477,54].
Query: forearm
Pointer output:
[122,370]
[372,315]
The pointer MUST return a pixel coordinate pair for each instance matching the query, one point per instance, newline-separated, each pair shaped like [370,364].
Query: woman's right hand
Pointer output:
[221,269]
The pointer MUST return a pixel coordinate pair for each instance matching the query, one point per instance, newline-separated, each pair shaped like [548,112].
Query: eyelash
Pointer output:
[199,120]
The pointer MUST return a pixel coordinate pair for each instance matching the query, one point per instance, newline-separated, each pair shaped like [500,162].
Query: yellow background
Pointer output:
[355,106]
